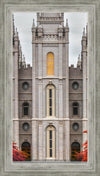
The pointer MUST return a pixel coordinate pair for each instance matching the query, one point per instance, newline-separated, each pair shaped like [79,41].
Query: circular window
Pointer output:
[25,85]
[25,126]
[75,126]
[75,85]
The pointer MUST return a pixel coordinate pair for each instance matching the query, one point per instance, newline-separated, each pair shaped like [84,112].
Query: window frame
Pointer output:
[53,148]
[27,106]
[74,107]
[50,64]
[48,98]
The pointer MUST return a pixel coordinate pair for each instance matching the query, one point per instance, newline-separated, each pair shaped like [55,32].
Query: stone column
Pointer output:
[60,99]
[33,80]
[84,86]
[67,80]
[40,62]
[40,147]
[16,119]
[34,124]
[67,141]
[61,138]
[34,140]
[67,122]
[60,60]
[40,99]
[84,59]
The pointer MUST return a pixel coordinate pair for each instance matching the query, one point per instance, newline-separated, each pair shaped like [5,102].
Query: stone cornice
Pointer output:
[50,119]
[48,41]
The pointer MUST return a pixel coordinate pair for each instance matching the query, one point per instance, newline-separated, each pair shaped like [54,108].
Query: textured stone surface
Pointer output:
[9,168]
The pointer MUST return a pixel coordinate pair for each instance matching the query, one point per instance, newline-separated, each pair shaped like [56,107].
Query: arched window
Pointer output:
[50,141]
[25,108]
[75,108]
[50,64]
[26,147]
[50,100]
[75,147]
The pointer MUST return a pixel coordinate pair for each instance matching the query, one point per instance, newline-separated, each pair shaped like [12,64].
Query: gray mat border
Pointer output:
[42,168]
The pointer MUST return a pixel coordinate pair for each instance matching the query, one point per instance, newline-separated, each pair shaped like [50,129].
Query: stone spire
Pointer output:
[67,23]
[20,56]
[33,25]
[87,34]
[84,46]
[66,29]
[86,29]
[13,25]
[16,41]
[23,62]
[84,34]
[13,29]
[16,33]
[79,61]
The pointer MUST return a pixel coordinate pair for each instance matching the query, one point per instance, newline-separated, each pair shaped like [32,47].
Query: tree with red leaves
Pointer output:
[17,154]
[82,156]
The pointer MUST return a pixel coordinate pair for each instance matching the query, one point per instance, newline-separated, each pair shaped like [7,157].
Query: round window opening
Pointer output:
[25,85]
[75,126]
[75,85]
[25,126]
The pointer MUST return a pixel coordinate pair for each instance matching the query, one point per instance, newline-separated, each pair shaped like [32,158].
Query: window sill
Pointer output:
[49,159]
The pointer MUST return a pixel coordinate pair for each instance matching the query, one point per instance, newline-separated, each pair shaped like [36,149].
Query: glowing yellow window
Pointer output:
[50,64]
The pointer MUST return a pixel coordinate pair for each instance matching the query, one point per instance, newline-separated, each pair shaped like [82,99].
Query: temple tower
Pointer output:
[50,88]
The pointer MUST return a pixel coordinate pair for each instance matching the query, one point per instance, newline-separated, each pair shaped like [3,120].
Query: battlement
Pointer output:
[53,18]
[75,72]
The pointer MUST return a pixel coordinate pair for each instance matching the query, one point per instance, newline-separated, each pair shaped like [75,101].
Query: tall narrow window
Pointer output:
[50,100]
[50,64]
[75,147]
[50,142]
[26,147]
[25,108]
[75,108]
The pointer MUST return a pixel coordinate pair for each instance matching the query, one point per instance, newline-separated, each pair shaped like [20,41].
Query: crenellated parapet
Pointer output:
[50,18]
[54,32]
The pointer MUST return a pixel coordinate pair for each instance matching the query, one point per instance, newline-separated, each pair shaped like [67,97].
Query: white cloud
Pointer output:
[76,21]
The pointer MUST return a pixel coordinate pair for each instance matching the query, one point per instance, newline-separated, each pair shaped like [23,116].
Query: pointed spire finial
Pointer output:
[13,17]
[79,61]
[13,25]
[23,59]
[33,25]
[86,29]
[23,62]
[83,31]
[16,33]
[79,57]
[66,22]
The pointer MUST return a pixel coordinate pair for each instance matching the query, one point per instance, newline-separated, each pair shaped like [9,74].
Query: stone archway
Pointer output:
[26,147]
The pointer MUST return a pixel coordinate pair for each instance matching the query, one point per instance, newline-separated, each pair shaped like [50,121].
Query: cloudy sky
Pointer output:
[76,20]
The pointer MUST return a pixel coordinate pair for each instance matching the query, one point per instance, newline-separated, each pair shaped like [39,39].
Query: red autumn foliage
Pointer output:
[17,154]
[82,156]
